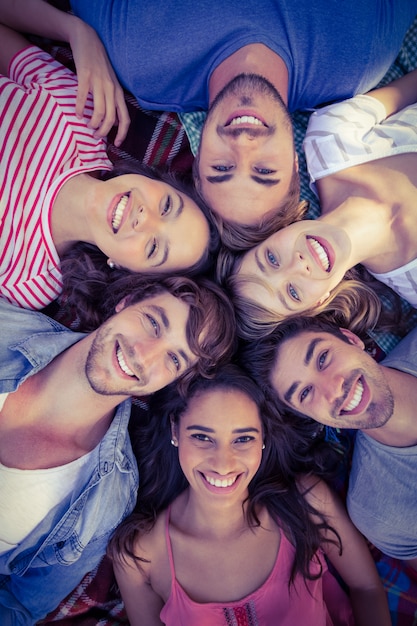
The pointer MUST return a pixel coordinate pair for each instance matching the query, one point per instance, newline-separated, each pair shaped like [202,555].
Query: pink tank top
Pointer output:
[273,603]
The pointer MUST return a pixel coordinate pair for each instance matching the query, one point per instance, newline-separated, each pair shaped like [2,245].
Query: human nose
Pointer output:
[300,263]
[144,219]
[332,385]
[149,353]
[223,460]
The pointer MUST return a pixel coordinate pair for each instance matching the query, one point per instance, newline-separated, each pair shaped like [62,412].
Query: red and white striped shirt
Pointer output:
[42,145]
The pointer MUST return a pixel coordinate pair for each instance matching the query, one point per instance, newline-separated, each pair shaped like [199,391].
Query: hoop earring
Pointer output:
[174,443]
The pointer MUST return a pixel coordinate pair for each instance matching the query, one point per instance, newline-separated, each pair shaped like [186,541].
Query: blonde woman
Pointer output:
[361,154]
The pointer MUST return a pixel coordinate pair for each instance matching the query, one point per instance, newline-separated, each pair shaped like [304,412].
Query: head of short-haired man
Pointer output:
[156,332]
[246,168]
[320,371]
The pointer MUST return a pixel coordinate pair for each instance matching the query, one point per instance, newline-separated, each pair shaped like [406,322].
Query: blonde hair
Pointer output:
[352,304]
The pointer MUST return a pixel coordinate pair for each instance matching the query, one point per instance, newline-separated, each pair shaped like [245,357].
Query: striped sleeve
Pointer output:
[42,143]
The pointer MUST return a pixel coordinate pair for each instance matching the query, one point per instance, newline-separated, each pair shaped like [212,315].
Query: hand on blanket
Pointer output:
[96,75]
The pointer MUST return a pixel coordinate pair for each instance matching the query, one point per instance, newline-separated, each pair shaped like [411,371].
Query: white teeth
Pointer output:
[246,119]
[122,363]
[357,397]
[118,213]
[321,253]
[216,482]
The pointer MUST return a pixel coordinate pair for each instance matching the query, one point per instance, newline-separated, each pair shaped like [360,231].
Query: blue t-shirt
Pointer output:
[165,52]
[382,495]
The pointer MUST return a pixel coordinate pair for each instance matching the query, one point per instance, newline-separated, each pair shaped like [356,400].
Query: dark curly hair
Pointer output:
[274,486]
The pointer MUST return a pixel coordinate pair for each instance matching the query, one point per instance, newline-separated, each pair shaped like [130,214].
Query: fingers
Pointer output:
[104,114]
[109,109]
[82,95]
[123,120]
[96,75]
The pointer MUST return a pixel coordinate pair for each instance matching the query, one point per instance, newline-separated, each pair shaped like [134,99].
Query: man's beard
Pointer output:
[246,86]
[98,378]
[378,412]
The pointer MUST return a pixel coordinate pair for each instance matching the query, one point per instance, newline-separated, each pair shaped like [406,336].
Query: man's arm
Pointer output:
[398,94]
[94,69]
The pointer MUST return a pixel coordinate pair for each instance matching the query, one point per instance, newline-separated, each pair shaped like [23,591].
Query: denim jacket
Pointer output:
[49,563]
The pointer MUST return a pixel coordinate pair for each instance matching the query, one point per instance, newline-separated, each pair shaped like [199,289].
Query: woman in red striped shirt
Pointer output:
[53,194]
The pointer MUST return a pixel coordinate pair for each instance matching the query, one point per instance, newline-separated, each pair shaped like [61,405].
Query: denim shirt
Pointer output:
[49,563]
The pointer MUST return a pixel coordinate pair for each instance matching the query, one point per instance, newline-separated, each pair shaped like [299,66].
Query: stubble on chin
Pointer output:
[379,410]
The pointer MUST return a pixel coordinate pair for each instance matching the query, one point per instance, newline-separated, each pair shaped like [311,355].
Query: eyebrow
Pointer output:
[174,216]
[236,431]
[165,322]
[307,359]
[267,182]
[310,349]
[278,293]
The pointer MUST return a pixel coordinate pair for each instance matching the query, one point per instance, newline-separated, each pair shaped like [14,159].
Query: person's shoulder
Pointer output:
[404,355]
[150,542]
[33,65]
[28,58]
[19,317]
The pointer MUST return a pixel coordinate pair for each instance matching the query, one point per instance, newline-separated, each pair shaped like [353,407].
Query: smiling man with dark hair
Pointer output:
[68,475]
[318,371]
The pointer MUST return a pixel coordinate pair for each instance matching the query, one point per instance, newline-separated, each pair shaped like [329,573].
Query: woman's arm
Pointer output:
[94,70]
[143,605]
[355,564]
[399,94]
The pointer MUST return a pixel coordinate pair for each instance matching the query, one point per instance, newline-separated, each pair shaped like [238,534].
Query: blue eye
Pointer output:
[293,293]
[264,171]
[322,359]
[176,361]
[222,168]
[154,324]
[272,259]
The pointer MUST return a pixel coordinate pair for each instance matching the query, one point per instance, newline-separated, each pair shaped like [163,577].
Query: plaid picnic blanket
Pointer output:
[162,139]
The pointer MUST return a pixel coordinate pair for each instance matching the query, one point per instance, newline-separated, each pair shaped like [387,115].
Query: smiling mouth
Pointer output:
[245,119]
[356,398]
[122,363]
[217,482]
[321,253]
[118,212]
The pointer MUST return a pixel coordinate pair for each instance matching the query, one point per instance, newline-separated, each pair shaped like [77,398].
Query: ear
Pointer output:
[352,338]
[112,265]
[296,164]
[120,305]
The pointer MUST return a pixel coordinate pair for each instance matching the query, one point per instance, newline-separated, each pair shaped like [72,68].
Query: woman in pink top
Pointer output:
[223,534]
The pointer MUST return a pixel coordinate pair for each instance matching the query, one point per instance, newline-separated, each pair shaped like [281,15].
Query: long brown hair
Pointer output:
[274,486]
